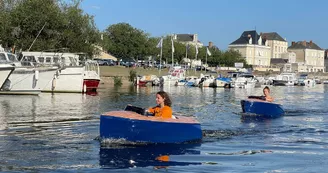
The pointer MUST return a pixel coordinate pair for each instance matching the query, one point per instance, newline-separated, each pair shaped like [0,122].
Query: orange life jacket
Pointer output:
[165,112]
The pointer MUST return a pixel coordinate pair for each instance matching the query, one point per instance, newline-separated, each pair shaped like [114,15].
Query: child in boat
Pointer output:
[266,92]
[163,108]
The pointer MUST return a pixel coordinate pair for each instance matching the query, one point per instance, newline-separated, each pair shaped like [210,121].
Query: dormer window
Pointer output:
[260,41]
[250,40]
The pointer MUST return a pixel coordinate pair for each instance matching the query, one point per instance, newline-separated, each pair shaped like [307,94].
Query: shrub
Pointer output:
[133,75]
[117,81]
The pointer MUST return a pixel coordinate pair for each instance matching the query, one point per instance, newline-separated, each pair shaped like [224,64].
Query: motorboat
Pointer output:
[259,107]
[134,126]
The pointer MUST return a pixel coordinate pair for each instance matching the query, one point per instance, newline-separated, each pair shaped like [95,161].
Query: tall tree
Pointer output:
[55,24]
[79,30]
[127,42]
[29,17]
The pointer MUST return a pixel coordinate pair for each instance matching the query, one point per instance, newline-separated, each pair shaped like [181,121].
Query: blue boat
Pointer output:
[262,108]
[135,127]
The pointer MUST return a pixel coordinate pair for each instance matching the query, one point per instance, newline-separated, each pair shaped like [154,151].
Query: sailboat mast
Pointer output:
[36,37]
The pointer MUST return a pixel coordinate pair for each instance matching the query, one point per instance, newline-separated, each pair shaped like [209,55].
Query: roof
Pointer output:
[278,61]
[104,55]
[185,37]
[244,39]
[308,45]
[272,36]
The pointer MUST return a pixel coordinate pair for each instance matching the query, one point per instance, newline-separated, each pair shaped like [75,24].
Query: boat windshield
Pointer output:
[2,57]
[12,57]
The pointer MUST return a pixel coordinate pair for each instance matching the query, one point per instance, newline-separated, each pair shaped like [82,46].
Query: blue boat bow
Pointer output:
[262,108]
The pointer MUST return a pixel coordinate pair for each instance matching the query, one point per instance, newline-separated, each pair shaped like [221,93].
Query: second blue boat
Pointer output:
[262,108]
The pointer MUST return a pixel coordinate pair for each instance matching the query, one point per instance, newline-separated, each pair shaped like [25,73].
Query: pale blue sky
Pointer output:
[219,21]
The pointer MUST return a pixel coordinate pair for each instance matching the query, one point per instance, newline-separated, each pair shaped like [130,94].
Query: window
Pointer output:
[2,57]
[48,60]
[56,59]
[12,57]
[63,60]
[41,59]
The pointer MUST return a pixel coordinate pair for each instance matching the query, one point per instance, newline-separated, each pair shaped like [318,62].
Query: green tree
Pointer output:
[125,41]
[79,32]
[56,23]
[29,17]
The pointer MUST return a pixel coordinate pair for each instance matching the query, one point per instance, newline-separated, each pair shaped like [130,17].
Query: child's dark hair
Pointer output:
[165,96]
[266,87]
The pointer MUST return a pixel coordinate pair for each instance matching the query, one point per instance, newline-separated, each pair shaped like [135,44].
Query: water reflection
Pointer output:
[158,156]
[16,108]
[246,118]
[28,111]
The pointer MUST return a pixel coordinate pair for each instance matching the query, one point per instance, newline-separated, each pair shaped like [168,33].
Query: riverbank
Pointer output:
[107,74]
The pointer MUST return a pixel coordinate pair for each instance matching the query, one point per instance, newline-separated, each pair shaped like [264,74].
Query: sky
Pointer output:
[219,21]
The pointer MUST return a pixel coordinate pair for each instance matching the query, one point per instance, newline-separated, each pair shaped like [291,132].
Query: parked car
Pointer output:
[201,68]
[129,64]
[105,62]
[159,66]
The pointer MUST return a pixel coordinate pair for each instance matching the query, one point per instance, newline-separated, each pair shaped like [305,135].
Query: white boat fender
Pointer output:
[36,75]
[53,85]
[84,88]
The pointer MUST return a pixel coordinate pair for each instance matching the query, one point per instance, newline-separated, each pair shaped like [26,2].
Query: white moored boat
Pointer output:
[175,74]
[23,80]
[71,75]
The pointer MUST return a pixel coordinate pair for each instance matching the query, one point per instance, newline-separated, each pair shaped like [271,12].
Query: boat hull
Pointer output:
[262,108]
[5,71]
[67,80]
[91,84]
[138,128]
[21,92]
[23,81]
[279,83]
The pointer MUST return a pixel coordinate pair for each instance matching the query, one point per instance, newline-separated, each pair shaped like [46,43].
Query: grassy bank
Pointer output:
[121,71]
[111,71]
[108,74]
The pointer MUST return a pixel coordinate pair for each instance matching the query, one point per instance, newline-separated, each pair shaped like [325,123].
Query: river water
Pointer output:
[59,132]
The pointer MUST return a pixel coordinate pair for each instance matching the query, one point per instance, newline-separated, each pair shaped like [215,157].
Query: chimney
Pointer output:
[250,41]
[311,42]
[304,43]
[195,38]
[293,43]
[210,44]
